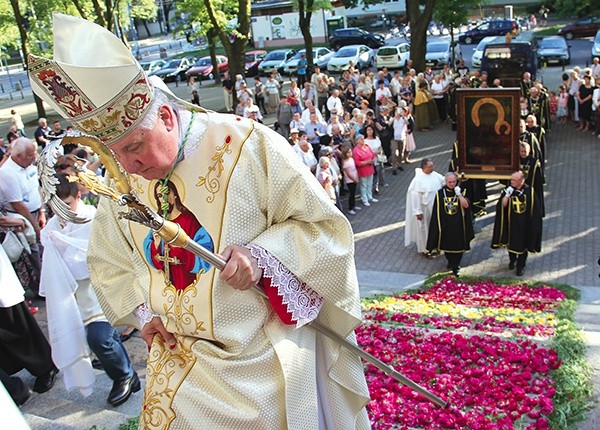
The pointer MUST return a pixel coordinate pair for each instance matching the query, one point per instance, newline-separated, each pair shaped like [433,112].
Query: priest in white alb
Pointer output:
[419,202]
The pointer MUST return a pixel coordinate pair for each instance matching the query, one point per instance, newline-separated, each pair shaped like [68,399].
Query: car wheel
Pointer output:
[468,40]
[569,35]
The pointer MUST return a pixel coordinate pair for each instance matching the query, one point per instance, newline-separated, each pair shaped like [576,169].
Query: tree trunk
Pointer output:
[166,10]
[305,17]
[99,13]
[41,110]
[418,30]
[235,50]
[145,22]
[212,51]
[453,45]
[80,9]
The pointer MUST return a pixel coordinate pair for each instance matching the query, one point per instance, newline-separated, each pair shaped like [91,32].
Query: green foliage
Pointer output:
[131,424]
[570,8]
[143,9]
[453,13]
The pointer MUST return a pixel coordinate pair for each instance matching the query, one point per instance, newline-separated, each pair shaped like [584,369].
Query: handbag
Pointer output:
[14,245]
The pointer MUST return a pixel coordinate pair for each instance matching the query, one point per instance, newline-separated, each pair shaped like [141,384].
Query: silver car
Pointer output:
[320,56]
[439,54]
[361,56]
[553,50]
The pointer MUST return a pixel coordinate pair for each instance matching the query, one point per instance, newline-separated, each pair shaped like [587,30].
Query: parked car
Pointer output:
[583,27]
[174,70]
[393,57]
[478,52]
[553,50]
[320,56]
[203,69]
[151,66]
[275,60]
[252,60]
[439,53]
[596,46]
[355,36]
[361,56]
[497,27]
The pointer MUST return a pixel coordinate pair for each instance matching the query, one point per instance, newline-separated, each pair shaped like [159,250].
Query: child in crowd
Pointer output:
[562,111]
[380,167]
[409,144]
[350,178]
[553,105]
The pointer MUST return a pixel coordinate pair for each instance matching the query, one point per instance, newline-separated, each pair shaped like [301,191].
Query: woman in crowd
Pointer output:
[350,178]
[372,139]
[364,158]
[294,97]
[584,98]
[422,112]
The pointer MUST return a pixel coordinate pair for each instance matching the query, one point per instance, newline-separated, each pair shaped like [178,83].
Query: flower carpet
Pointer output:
[502,357]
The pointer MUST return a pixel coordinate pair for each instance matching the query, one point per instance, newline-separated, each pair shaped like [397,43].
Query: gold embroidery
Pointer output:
[167,370]
[212,184]
[451,205]
[179,309]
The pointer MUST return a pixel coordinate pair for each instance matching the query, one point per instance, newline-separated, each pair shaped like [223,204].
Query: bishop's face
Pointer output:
[150,153]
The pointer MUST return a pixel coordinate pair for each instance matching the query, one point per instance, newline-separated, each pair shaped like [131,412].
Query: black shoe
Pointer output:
[23,393]
[401,168]
[456,271]
[121,390]
[96,364]
[511,265]
[126,337]
[45,382]
[519,271]
[394,172]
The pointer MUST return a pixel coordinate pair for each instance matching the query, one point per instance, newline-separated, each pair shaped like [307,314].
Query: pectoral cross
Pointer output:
[519,206]
[167,261]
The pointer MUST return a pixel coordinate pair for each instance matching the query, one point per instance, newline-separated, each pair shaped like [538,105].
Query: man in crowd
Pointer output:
[217,348]
[518,222]
[41,133]
[20,193]
[17,121]
[419,201]
[227,92]
[451,227]
[532,170]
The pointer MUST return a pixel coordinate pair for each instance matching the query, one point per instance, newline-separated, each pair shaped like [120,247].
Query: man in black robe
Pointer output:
[518,223]
[450,228]
[532,169]
[474,188]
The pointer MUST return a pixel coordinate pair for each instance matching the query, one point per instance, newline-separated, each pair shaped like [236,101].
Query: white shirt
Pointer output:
[19,185]
[399,128]
[11,292]
[437,88]
[334,103]
[385,91]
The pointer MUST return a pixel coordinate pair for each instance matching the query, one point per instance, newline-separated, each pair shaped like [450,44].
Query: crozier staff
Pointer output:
[215,345]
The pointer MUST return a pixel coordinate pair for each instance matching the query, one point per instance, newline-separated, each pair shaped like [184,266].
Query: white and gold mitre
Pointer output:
[93,80]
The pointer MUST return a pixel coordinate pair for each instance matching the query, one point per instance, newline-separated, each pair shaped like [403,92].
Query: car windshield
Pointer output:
[275,56]
[346,52]
[598,37]
[172,64]
[481,45]
[145,66]
[387,51]
[552,44]
[437,47]
[301,53]
[203,62]
[249,57]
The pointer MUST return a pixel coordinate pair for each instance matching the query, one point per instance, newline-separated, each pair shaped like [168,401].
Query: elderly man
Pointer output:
[309,109]
[518,222]
[419,201]
[221,356]
[20,194]
[334,104]
[41,133]
[451,227]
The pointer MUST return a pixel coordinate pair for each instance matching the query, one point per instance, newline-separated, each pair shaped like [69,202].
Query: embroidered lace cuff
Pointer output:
[144,314]
[302,301]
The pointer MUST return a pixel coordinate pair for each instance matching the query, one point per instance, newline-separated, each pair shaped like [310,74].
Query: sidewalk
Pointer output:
[569,255]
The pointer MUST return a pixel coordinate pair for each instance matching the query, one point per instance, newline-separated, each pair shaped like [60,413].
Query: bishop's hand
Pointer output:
[241,270]
[509,191]
[156,327]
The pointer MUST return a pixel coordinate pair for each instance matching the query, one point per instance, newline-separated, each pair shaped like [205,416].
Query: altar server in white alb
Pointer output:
[222,357]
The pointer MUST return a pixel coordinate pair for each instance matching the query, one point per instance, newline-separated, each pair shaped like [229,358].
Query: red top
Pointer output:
[361,154]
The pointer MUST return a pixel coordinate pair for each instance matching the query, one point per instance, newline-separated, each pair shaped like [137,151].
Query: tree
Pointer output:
[419,22]
[305,11]
[573,7]
[452,14]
